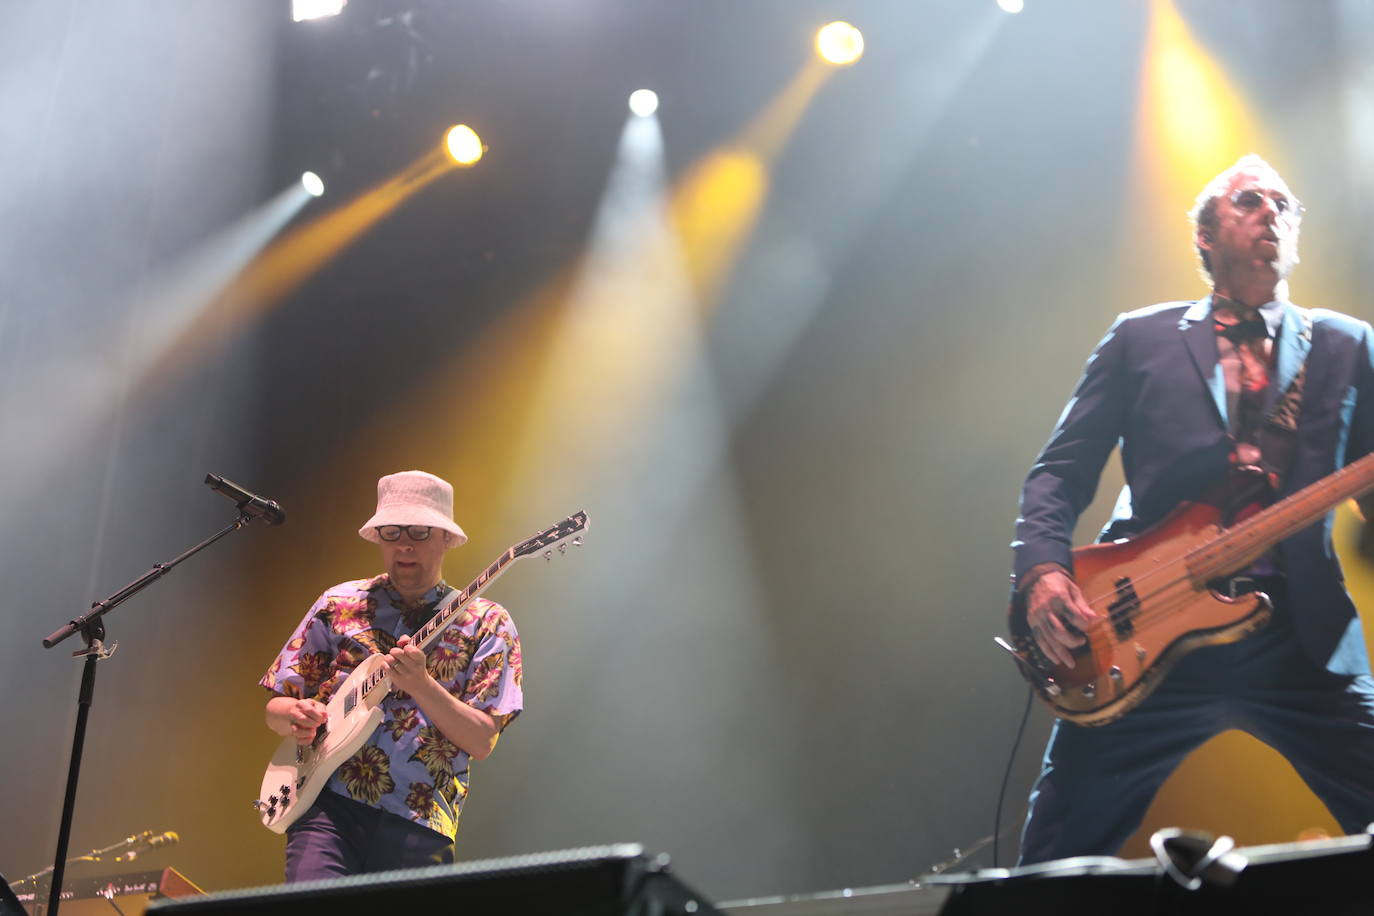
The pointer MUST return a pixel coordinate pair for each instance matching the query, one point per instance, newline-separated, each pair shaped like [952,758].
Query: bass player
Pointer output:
[395,803]
[1190,391]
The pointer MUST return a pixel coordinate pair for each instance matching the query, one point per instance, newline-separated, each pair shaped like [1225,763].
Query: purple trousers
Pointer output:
[338,836]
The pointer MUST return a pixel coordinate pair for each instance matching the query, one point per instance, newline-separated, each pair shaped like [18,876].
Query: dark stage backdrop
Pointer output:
[799,429]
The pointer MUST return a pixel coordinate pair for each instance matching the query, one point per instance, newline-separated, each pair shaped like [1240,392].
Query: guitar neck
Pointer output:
[545,543]
[428,633]
[1247,541]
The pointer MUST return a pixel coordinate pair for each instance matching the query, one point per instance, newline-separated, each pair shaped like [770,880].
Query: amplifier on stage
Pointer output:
[130,892]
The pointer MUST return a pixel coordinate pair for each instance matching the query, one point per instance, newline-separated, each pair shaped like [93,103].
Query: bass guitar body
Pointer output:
[1154,605]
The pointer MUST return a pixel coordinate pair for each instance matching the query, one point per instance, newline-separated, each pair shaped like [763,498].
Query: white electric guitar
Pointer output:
[297,772]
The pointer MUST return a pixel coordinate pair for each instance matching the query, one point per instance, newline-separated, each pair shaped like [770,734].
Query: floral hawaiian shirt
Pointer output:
[407,767]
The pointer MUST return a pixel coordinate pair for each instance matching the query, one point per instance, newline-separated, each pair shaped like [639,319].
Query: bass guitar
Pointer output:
[297,773]
[1158,594]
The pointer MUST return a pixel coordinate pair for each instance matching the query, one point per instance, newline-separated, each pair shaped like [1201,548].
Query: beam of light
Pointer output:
[576,377]
[717,202]
[463,145]
[1191,125]
[1011,6]
[290,261]
[571,375]
[302,10]
[1192,117]
[168,305]
[644,102]
[313,184]
[779,289]
[623,330]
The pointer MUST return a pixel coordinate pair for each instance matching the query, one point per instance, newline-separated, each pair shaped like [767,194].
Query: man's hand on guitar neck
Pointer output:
[297,719]
[1056,612]
[408,667]
[474,730]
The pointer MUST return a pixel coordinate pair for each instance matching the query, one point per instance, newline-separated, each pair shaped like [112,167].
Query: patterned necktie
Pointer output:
[1249,334]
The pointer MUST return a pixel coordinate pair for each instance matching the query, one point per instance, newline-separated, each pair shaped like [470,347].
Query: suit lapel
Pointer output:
[1201,341]
[1294,341]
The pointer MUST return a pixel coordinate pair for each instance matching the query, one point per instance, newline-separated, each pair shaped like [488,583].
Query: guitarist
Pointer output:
[1189,390]
[395,803]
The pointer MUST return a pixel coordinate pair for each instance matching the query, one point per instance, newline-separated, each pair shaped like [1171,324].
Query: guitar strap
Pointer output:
[1278,434]
[416,617]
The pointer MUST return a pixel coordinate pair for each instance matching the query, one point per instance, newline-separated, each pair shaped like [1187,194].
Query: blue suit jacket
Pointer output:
[1154,386]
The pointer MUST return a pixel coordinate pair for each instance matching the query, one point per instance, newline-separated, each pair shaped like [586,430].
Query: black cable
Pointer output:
[1006,777]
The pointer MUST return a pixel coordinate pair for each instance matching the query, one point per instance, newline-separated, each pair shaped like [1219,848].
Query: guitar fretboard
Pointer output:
[544,542]
[1246,541]
[452,608]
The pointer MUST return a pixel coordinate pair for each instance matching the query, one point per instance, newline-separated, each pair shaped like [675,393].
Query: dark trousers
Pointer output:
[338,836]
[1096,783]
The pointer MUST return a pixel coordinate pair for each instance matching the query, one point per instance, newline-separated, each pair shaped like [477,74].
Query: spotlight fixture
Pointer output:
[463,144]
[1012,6]
[644,102]
[302,10]
[313,184]
[839,44]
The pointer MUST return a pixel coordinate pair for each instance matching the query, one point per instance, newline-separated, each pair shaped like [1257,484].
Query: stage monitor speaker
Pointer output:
[1332,877]
[597,881]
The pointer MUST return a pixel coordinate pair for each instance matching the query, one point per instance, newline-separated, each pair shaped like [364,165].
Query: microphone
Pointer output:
[269,510]
[145,841]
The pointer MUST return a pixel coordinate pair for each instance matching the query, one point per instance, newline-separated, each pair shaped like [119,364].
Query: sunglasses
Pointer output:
[1250,199]
[393,532]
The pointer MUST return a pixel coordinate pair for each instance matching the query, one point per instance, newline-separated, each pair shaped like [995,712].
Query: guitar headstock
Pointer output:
[556,538]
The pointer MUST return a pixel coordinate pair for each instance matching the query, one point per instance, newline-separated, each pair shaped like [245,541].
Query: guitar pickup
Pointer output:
[1123,609]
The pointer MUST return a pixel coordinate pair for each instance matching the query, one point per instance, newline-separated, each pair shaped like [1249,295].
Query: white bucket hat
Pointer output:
[413,498]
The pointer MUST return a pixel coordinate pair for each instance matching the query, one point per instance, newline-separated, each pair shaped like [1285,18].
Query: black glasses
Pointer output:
[393,532]
[1251,199]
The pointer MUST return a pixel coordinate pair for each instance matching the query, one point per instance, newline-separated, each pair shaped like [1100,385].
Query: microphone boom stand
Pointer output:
[92,629]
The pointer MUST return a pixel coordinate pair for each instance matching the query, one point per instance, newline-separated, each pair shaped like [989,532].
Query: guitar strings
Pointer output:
[1231,541]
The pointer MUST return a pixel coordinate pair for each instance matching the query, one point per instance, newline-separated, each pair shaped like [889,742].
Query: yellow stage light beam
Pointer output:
[288,262]
[571,375]
[717,202]
[1191,124]
[1193,118]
